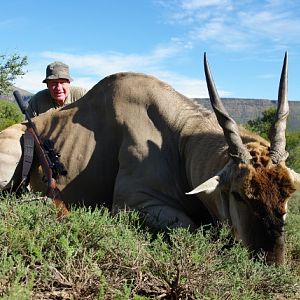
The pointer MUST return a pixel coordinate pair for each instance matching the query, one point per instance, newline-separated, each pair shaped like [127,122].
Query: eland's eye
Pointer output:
[237,196]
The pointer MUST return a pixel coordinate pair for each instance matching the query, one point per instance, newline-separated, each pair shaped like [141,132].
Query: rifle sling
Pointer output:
[28,151]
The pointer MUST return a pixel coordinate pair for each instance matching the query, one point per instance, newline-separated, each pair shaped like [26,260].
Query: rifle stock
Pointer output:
[23,108]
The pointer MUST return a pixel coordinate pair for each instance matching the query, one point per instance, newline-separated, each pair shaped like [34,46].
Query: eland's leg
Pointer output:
[158,211]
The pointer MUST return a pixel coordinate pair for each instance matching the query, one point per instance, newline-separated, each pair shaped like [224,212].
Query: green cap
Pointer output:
[57,70]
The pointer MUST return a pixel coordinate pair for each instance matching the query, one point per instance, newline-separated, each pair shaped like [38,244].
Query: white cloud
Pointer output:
[190,87]
[32,81]
[222,34]
[86,82]
[111,62]
[238,25]
[196,4]
[278,26]
[87,70]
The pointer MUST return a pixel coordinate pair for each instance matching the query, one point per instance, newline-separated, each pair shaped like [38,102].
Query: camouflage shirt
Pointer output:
[42,101]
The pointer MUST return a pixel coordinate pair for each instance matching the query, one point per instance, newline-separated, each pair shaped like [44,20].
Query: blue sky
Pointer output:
[245,42]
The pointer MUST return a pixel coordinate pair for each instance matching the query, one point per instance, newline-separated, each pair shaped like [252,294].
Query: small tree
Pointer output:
[10,68]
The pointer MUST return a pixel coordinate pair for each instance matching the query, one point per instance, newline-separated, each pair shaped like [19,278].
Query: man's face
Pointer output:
[59,89]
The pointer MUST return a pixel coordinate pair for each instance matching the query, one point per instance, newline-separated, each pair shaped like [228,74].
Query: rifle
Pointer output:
[47,157]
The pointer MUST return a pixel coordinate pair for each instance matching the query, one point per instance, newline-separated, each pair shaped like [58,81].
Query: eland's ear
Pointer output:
[296,178]
[208,186]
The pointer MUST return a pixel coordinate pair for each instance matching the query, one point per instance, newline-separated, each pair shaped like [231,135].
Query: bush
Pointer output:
[9,114]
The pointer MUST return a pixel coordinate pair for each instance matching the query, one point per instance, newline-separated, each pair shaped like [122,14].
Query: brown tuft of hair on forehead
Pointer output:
[269,187]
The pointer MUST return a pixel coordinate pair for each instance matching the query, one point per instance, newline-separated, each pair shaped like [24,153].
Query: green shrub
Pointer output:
[9,114]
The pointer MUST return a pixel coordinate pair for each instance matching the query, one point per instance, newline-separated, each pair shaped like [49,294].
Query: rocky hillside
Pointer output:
[26,95]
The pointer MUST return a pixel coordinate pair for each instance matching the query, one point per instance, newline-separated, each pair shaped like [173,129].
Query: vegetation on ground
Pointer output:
[93,255]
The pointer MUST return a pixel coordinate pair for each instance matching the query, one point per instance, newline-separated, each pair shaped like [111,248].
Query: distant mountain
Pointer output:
[243,110]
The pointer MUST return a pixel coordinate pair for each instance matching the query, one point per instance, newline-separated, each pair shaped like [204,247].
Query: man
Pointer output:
[59,92]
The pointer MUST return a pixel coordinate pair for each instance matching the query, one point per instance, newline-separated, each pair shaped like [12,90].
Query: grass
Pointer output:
[92,255]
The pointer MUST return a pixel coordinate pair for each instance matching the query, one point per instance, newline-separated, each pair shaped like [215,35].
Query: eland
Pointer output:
[134,142]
